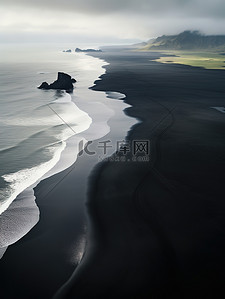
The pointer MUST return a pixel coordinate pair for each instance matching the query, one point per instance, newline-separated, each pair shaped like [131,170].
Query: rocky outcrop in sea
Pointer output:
[63,82]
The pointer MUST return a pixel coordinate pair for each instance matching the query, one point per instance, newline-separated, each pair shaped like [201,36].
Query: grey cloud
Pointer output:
[114,18]
[188,8]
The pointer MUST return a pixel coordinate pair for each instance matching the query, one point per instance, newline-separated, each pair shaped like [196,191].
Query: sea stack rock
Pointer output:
[78,50]
[63,82]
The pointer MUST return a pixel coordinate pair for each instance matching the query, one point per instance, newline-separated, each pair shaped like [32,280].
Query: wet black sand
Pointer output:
[156,228]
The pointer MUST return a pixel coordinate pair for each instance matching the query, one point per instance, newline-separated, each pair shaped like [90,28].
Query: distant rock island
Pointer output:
[67,51]
[187,40]
[63,82]
[86,50]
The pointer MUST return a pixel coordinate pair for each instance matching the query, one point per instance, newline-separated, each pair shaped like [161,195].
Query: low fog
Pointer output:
[107,20]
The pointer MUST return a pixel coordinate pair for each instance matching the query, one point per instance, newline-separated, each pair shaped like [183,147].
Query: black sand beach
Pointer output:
[156,228]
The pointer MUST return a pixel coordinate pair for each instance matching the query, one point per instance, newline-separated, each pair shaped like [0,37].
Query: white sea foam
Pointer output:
[24,178]
[20,215]
[18,209]
[74,120]
[60,111]
[17,221]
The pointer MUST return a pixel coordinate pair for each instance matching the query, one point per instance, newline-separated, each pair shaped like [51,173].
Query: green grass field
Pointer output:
[208,60]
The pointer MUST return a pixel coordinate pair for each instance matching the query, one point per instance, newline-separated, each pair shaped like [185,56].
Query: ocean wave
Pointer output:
[66,120]
[20,180]
[51,114]
[76,126]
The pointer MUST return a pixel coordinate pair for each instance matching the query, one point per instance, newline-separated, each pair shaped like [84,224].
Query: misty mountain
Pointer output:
[187,40]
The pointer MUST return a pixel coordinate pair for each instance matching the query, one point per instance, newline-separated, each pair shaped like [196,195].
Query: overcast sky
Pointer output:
[107,20]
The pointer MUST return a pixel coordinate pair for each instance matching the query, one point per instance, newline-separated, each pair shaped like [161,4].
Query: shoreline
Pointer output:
[57,242]
[22,213]
[152,231]
[156,227]
[23,207]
